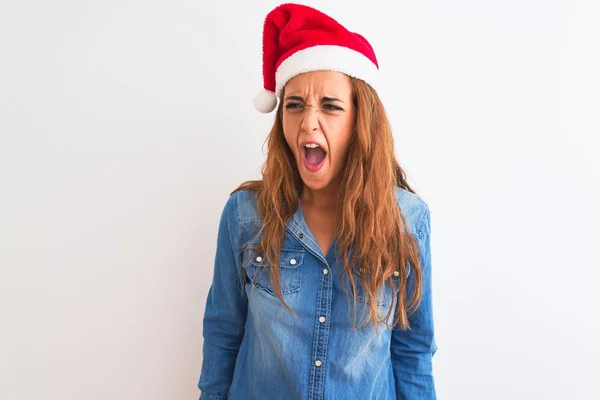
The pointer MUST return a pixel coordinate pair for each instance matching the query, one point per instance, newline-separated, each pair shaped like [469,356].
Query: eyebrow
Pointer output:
[323,99]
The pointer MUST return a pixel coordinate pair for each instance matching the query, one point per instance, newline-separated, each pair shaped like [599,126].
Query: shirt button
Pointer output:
[321,319]
[396,273]
[293,261]
[325,271]
[259,259]
[301,235]
[318,363]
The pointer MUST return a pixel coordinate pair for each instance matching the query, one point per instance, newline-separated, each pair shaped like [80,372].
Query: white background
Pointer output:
[124,126]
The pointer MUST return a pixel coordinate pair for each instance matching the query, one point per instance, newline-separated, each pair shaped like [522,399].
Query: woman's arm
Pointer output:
[412,350]
[225,313]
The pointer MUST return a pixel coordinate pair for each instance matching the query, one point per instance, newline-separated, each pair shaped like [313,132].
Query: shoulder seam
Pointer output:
[235,240]
[419,198]
[423,218]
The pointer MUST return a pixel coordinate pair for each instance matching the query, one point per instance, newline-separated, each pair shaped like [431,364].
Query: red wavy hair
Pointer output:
[370,221]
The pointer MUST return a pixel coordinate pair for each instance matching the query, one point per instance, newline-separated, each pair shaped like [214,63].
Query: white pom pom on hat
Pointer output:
[298,39]
[265,101]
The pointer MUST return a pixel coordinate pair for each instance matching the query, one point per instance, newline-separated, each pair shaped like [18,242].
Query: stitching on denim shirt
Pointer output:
[260,268]
[239,282]
[423,218]
[210,396]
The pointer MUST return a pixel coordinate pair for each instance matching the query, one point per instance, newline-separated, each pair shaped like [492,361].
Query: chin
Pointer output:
[314,183]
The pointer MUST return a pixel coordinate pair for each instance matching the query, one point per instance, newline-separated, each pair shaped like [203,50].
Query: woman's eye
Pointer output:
[329,107]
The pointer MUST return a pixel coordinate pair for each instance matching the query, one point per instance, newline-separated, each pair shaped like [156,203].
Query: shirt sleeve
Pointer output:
[225,312]
[412,350]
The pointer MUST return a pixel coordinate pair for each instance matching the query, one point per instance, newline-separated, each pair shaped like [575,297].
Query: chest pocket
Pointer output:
[384,299]
[290,271]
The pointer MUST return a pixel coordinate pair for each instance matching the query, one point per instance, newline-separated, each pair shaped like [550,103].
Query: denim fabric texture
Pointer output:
[255,349]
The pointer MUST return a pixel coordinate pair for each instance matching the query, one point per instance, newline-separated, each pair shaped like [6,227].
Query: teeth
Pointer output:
[311,145]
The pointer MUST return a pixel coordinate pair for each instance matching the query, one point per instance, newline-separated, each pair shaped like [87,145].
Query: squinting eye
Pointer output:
[293,105]
[332,107]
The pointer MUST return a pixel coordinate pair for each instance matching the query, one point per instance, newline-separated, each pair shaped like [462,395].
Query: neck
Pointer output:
[325,199]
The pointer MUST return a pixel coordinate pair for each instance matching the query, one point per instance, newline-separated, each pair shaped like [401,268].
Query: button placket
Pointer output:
[322,332]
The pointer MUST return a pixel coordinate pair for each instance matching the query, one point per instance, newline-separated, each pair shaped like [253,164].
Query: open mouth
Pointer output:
[313,156]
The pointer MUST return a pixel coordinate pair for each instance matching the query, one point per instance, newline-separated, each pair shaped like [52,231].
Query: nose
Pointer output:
[310,120]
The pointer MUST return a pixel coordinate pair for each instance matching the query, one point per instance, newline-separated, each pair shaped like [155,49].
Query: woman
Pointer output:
[322,275]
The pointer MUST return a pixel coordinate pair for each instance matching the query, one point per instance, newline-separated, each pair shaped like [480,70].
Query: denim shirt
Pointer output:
[254,348]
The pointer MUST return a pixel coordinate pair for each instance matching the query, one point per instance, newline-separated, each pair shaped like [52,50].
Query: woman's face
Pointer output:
[318,120]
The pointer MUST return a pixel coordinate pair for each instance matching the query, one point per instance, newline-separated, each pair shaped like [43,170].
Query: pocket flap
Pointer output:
[287,259]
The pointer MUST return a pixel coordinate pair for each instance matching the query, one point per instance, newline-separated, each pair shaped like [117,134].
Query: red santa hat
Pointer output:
[299,39]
